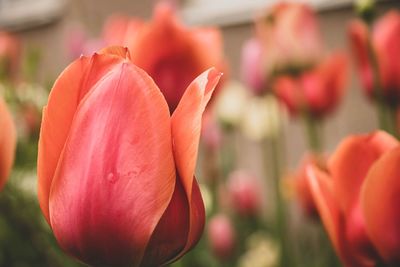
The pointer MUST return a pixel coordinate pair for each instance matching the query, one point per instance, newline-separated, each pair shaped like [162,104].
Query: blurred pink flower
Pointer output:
[289,33]
[221,236]
[253,73]
[78,43]
[317,91]
[210,131]
[244,193]
[385,41]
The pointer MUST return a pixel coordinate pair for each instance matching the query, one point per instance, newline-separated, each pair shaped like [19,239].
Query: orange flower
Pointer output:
[10,50]
[358,199]
[7,143]
[178,54]
[385,42]
[317,91]
[116,171]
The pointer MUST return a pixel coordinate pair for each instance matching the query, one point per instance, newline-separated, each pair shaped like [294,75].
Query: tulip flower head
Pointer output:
[179,54]
[358,198]
[116,170]
[244,193]
[384,40]
[7,143]
[221,236]
[317,91]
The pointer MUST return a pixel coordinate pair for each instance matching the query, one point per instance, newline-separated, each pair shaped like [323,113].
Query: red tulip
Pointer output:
[7,143]
[385,43]
[178,54]
[244,193]
[290,37]
[116,171]
[221,236]
[9,55]
[358,198]
[317,91]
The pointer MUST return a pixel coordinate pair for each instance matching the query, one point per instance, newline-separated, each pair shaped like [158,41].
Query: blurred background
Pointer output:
[52,33]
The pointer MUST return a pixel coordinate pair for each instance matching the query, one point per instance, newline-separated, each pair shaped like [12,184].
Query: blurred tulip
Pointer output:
[178,54]
[10,50]
[221,237]
[357,199]
[385,42]
[244,193]
[7,143]
[289,35]
[252,66]
[317,91]
[301,185]
[116,171]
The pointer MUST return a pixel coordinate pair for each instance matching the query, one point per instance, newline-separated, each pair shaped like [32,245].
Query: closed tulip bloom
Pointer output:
[116,170]
[244,193]
[317,91]
[385,44]
[7,143]
[357,199]
[221,236]
[179,54]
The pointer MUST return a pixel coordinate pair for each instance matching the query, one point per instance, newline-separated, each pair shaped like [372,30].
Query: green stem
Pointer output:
[274,147]
[313,133]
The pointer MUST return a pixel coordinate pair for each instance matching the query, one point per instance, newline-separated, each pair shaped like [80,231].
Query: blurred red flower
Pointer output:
[317,91]
[244,193]
[385,46]
[221,236]
[10,52]
[116,171]
[7,143]
[178,54]
[358,198]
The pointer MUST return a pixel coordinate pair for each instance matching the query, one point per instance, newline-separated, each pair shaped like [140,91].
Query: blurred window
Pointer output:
[22,14]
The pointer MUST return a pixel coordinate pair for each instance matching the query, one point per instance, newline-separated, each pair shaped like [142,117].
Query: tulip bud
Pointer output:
[115,170]
[244,193]
[221,237]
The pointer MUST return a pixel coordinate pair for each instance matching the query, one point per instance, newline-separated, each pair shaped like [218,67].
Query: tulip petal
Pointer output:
[7,143]
[380,200]
[186,124]
[169,237]
[322,190]
[116,174]
[350,163]
[69,89]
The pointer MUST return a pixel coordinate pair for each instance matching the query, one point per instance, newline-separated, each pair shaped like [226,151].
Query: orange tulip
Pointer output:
[178,54]
[385,44]
[116,170]
[317,91]
[7,143]
[358,198]
[301,186]
[9,55]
